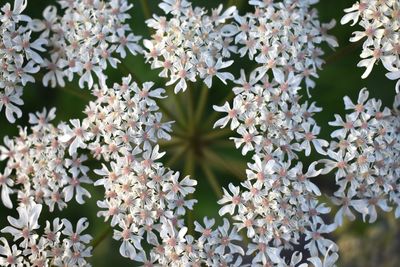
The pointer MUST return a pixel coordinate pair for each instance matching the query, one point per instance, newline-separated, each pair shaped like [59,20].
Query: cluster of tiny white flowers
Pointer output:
[38,167]
[140,194]
[189,43]
[144,200]
[284,35]
[277,205]
[87,38]
[19,57]
[365,154]
[381,23]
[266,113]
[213,248]
[59,245]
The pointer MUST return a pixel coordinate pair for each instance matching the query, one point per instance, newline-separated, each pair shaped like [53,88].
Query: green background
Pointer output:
[207,154]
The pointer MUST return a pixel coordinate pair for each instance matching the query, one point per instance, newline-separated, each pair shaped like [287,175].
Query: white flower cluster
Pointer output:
[213,248]
[276,208]
[284,35]
[19,57]
[143,200]
[381,23]
[140,194]
[59,245]
[85,39]
[366,157]
[190,43]
[38,167]
[277,205]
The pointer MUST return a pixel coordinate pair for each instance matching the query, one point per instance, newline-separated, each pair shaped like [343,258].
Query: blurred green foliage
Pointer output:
[207,154]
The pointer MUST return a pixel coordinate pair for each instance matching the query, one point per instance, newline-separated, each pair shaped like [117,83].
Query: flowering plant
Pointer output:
[277,215]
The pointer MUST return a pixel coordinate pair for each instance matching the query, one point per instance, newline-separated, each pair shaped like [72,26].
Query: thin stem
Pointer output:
[127,71]
[215,134]
[235,169]
[179,109]
[202,102]
[177,155]
[225,144]
[74,92]
[170,115]
[190,109]
[189,164]
[190,221]
[180,134]
[343,52]
[97,241]
[146,9]
[174,142]
[212,180]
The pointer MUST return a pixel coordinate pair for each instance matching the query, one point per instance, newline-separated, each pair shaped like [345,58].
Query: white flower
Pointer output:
[41,119]
[203,54]
[226,238]
[234,200]
[10,98]
[6,183]
[76,136]
[10,256]
[233,114]
[310,137]
[19,57]
[207,231]
[317,243]
[211,69]
[329,259]
[74,188]
[130,242]
[24,226]
[75,237]
[364,158]
[100,31]
[380,26]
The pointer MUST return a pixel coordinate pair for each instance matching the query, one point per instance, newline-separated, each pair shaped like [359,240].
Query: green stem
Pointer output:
[174,142]
[212,180]
[217,133]
[225,144]
[127,71]
[218,162]
[74,92]
[171,116]
[190,109]
[202,102]
[343,52]
[146,9]
[97,241]
[177,155]
[178,108]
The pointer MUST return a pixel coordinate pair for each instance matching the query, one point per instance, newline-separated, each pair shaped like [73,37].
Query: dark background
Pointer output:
[207,154]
